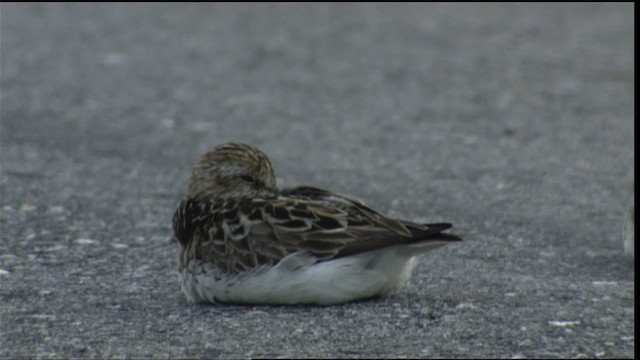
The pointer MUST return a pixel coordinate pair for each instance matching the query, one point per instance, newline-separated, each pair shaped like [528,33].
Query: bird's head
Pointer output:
[232,170]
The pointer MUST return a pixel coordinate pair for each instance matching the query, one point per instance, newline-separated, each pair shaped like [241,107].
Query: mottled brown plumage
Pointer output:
[235,220]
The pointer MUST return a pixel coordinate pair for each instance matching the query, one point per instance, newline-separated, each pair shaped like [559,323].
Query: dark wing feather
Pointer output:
[255,232]
[367,228]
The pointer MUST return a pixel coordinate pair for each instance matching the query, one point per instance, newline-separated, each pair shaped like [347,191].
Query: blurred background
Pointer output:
[514,122]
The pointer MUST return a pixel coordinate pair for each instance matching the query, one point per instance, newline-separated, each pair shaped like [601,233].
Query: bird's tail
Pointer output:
[428,237]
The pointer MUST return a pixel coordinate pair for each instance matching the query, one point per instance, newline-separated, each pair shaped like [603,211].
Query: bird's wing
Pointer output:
[245,234]
[369,229]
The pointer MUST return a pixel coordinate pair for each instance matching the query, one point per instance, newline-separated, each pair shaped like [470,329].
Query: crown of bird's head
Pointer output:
[232,170]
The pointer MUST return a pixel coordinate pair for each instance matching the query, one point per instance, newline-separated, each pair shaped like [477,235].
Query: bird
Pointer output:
[244,241]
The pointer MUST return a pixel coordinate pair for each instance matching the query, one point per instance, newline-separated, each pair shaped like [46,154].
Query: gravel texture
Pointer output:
[512,121]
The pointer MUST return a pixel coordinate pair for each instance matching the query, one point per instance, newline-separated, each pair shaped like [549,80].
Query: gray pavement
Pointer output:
[512,121]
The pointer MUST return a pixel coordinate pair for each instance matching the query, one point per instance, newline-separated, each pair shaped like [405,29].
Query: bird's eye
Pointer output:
[247,178]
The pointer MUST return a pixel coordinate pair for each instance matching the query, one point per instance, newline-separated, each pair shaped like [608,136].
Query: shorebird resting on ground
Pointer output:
[244,241]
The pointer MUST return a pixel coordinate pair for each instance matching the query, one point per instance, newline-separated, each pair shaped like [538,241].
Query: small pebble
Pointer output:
[84,241]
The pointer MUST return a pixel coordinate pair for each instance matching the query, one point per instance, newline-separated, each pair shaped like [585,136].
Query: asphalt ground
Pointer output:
[515,122]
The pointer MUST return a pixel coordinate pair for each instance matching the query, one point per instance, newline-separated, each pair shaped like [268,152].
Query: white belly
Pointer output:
[299,279]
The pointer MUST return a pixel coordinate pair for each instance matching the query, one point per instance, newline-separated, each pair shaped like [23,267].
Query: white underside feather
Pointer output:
[299,279]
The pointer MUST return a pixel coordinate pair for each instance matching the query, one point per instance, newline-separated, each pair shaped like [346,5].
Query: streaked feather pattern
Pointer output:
[236,236]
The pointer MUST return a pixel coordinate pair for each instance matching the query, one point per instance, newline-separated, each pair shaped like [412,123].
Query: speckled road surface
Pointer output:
[514,122]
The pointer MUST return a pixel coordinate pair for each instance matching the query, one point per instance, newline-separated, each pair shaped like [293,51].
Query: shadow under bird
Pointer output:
[242,240]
